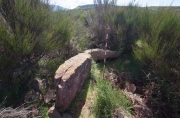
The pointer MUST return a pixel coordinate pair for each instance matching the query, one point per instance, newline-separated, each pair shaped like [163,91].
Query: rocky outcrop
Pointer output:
[69,79]
[98,54]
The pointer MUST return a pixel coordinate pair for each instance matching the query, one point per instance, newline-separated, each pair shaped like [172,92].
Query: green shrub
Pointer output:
[121,22]
[30,30]
[159,37]
[158,48]
[107,98]
[43,111]
[102,17]
[81,35]
[125,23]
[53,64]
[83,18]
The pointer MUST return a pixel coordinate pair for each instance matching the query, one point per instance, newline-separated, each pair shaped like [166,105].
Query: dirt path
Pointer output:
[86,109]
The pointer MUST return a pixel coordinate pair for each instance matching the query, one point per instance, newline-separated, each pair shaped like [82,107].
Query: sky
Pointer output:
[74,3]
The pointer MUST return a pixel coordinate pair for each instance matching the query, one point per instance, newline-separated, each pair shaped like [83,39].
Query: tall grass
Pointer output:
[107,98]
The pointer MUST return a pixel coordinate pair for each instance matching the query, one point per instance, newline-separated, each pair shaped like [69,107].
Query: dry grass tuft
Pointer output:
[22,111]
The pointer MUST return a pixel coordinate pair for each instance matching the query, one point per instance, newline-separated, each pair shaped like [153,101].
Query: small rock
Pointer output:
[31,96]
[130,88]
[50,95]
[113,79]
[53,113]
[120,113]
[38,84]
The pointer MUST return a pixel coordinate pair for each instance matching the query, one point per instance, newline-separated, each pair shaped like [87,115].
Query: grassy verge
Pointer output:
[43,111]
[107,99]
[99,96]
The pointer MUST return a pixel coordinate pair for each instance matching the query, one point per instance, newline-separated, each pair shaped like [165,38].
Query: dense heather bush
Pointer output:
[125,23]
[159,41]
[158,48]
[28,30]
[121,22]
[99,19]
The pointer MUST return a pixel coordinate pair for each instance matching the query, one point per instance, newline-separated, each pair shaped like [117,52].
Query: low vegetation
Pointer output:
[107,98]
[101,96]
[34,41]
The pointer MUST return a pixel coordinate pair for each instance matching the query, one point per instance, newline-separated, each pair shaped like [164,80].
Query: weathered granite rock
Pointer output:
[69,79]
[98,54]
[53,113]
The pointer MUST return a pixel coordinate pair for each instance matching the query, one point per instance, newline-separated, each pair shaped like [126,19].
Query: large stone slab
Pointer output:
[98,54]
[69,79]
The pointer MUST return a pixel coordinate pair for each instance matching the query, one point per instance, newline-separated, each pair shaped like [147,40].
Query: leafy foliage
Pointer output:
[159,41]
[29,30]
[158,48]
[121,22]
[99,19]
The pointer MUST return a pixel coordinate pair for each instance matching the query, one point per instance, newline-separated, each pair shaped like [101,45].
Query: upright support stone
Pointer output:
[69,79]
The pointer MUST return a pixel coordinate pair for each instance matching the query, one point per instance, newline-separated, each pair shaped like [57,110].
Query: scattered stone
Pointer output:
[31,96]
[98,54]
[130,88]
[139,106]
[53,113]
[35,110]
[117,79]
[38,84]
[113,79]
[69,79]
[120,113]
[50,95]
